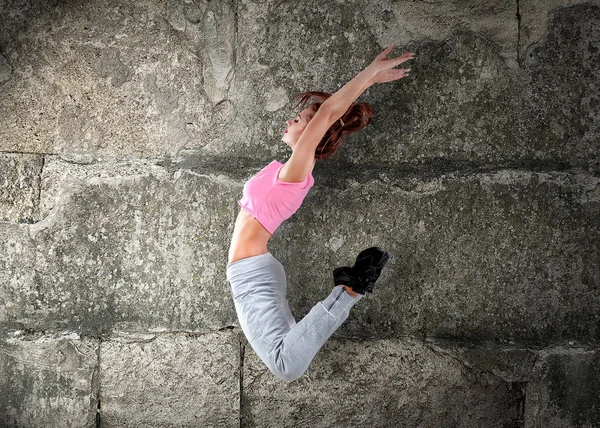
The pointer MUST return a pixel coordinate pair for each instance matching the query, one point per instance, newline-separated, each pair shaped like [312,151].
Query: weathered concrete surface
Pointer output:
[480,175]
[47,381]
[170,381]
[483,111]
[134,252]
[510,362]
[565,391]
[561,115]
[384,384]
[17,261]
[505,255]
[423,20]
[93,56]
[5,70]
[210,32]
[20,187]
[561,384]
[201,75]
[534,19]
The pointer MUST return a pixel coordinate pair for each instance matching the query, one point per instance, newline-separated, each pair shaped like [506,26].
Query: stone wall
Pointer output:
[127,131]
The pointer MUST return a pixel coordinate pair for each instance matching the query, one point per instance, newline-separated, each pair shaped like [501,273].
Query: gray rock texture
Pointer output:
[120,80]
[17,264]
[348,383]
[170,381]
[128,129]
[166,234]
[167,240]
[5,70]
[20,187]
[200,75]
[559,395]
[48,380]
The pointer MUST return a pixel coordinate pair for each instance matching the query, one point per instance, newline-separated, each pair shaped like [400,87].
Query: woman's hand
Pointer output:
[383,69]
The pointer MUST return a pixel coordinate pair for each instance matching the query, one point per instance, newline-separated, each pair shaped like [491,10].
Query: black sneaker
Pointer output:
[344,276]
[362,276]
[369,263]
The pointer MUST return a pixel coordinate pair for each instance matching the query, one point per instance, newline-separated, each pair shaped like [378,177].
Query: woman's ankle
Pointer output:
[349,291]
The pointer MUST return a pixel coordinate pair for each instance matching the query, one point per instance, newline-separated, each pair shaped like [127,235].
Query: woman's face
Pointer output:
[295,127]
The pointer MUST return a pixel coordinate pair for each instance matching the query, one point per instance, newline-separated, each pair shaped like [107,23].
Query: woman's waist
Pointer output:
[249,239]
[250,233]
[249,227]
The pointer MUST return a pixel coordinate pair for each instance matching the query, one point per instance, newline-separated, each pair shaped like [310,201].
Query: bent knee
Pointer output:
[289,376]
[287,373]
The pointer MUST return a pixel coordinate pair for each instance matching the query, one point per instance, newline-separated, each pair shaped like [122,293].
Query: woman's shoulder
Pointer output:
[288,176]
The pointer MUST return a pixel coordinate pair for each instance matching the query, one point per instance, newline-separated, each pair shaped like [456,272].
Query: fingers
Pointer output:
[404,57]
[386,52]
[399,74]
[402,72]
[383,63]
[407,55]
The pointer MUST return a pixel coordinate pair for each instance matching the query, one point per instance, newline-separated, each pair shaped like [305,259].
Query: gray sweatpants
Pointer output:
[258,285]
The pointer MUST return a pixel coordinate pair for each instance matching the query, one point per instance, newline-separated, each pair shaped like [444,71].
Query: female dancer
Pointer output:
[257,279]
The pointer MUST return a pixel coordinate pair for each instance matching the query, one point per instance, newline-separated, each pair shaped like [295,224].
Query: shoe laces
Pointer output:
[368,275]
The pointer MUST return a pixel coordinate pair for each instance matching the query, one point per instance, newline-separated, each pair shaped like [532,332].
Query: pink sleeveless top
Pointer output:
[270,200]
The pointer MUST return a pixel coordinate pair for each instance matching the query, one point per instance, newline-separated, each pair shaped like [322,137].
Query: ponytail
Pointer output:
[358,116]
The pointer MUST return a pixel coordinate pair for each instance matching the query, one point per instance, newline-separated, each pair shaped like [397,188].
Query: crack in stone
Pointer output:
[241,167]
[236,5]
[8,152]
[6,70]
[242,356]
[440,344]
[96,386]
[523,390]
[443,353]
[98,421]
[518,33]
[36,209]
[518,389]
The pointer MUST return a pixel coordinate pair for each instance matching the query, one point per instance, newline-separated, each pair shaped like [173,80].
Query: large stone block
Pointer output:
[73,63]
[17,264]
[133,252]
[465,101]
[20,187]
[566,390]
[381,383]
[535,19]
[170,381]
[221,77]
[560,119]
[506,255]
[48,381]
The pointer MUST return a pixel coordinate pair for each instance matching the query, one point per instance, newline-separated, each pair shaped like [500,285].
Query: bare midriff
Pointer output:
[249,238]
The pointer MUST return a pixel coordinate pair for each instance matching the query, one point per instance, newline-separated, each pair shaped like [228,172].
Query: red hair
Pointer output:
[354,119]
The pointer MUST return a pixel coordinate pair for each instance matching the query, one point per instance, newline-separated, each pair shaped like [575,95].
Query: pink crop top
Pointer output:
[270,200]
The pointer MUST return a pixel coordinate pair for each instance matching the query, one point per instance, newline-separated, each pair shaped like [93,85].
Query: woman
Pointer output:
[257,279]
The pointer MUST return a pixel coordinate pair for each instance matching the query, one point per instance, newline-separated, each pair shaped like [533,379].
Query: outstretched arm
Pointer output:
[379,71]
[339,102]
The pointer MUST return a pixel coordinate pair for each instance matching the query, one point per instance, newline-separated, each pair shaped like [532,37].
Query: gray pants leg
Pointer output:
[258,285]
